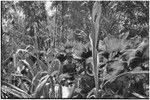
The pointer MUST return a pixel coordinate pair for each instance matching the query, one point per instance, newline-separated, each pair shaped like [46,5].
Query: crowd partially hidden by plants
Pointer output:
[103,52]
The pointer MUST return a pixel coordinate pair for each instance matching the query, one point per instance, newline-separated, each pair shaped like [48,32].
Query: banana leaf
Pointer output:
[15,90]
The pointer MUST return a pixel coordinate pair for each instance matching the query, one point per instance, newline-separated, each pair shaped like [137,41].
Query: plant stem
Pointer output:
[95,72]
[93,40]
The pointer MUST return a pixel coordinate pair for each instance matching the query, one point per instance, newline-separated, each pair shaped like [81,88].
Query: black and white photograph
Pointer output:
[74,49]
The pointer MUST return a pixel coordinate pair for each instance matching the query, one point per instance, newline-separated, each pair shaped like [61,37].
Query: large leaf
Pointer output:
[15,90]
[39,90]
[36,79]
[55,67]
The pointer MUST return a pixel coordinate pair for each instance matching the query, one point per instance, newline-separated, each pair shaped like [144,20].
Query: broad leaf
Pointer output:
[15,90]
[36,80]
[55,67]
[39,90]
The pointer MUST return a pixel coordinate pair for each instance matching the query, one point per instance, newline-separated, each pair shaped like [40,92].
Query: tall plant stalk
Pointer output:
[96,14]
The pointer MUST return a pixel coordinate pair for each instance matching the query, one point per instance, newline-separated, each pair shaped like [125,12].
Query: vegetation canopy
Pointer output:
[75,49]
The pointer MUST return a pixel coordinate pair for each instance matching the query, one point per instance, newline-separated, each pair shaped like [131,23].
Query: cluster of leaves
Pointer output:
[121,67]
[32,79]
[43,76]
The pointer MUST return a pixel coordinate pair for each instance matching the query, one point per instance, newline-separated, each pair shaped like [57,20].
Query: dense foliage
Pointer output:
[85,49]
